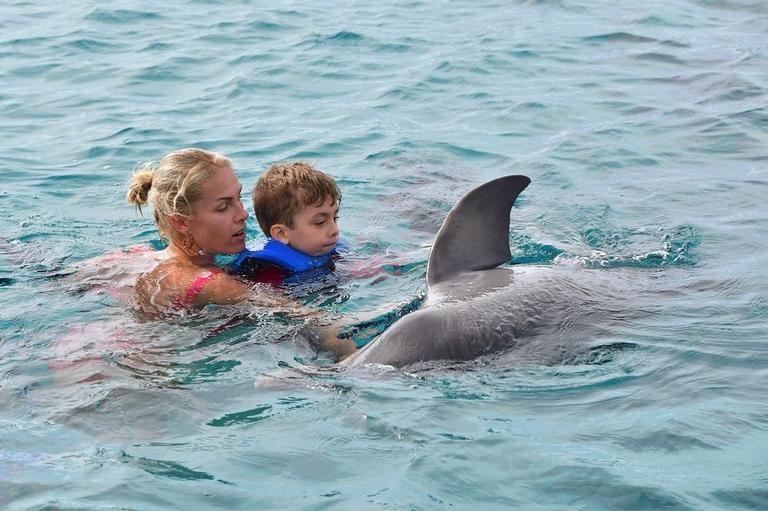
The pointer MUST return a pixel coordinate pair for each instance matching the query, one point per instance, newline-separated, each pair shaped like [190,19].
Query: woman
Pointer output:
[195,195]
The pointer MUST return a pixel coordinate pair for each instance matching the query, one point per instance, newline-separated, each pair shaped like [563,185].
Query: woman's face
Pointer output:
[218,222]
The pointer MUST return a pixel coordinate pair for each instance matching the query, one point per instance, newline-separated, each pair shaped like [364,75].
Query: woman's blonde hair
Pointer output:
[174,183]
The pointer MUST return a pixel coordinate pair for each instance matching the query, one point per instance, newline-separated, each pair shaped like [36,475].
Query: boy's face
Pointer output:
[315,229]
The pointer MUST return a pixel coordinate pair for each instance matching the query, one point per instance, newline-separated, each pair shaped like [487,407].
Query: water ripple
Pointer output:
[122,16]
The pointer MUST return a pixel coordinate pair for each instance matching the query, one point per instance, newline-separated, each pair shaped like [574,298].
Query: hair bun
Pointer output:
[138,188]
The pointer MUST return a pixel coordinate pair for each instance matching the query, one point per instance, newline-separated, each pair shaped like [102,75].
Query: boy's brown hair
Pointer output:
[286,188]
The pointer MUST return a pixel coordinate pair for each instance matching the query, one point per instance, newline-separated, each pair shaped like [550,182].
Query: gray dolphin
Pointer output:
[473,307]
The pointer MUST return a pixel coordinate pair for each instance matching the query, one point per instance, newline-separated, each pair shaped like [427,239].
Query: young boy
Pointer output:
[297,207]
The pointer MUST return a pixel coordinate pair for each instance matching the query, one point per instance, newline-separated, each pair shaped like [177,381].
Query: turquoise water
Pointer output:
[643,127]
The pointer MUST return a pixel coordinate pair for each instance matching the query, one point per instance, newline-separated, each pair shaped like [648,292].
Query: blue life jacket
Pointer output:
[280,254]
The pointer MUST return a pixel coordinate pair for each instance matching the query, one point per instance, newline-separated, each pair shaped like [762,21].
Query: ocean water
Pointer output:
[644,129]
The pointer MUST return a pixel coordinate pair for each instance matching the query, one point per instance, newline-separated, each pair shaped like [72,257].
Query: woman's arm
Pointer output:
[321,330]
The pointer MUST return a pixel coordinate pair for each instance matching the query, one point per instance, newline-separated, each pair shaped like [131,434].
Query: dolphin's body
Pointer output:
[473,307]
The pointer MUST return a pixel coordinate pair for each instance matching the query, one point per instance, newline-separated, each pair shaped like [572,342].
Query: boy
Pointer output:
[297,207]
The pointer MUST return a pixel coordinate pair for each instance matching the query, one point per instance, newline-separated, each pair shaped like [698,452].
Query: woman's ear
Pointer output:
[179,223]
[279,232]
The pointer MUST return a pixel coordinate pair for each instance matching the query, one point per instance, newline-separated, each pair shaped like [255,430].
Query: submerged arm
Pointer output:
[321,330]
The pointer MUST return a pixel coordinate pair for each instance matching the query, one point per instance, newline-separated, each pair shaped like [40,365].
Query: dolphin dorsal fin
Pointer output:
[475,234]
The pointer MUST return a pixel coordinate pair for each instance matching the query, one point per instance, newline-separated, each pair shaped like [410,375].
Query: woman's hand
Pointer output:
[326,338]
[342,348]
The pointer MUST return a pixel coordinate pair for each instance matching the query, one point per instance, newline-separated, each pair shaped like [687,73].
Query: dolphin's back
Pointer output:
[475,234]
[467,313]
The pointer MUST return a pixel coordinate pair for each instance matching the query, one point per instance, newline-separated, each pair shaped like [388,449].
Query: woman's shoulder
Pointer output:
[164,282]
[178,284]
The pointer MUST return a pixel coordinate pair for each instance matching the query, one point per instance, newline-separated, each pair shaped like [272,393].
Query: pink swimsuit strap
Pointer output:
[194,289]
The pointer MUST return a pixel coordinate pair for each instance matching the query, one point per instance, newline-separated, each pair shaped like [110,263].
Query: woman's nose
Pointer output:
[243,213]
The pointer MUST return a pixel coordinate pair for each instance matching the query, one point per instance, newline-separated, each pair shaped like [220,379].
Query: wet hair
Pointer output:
[172,185]
[287,188]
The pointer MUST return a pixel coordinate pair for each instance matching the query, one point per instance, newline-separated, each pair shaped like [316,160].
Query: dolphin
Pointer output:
[474,307]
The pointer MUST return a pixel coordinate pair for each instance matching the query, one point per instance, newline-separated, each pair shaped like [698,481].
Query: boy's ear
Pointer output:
[279,232]
[179,223]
